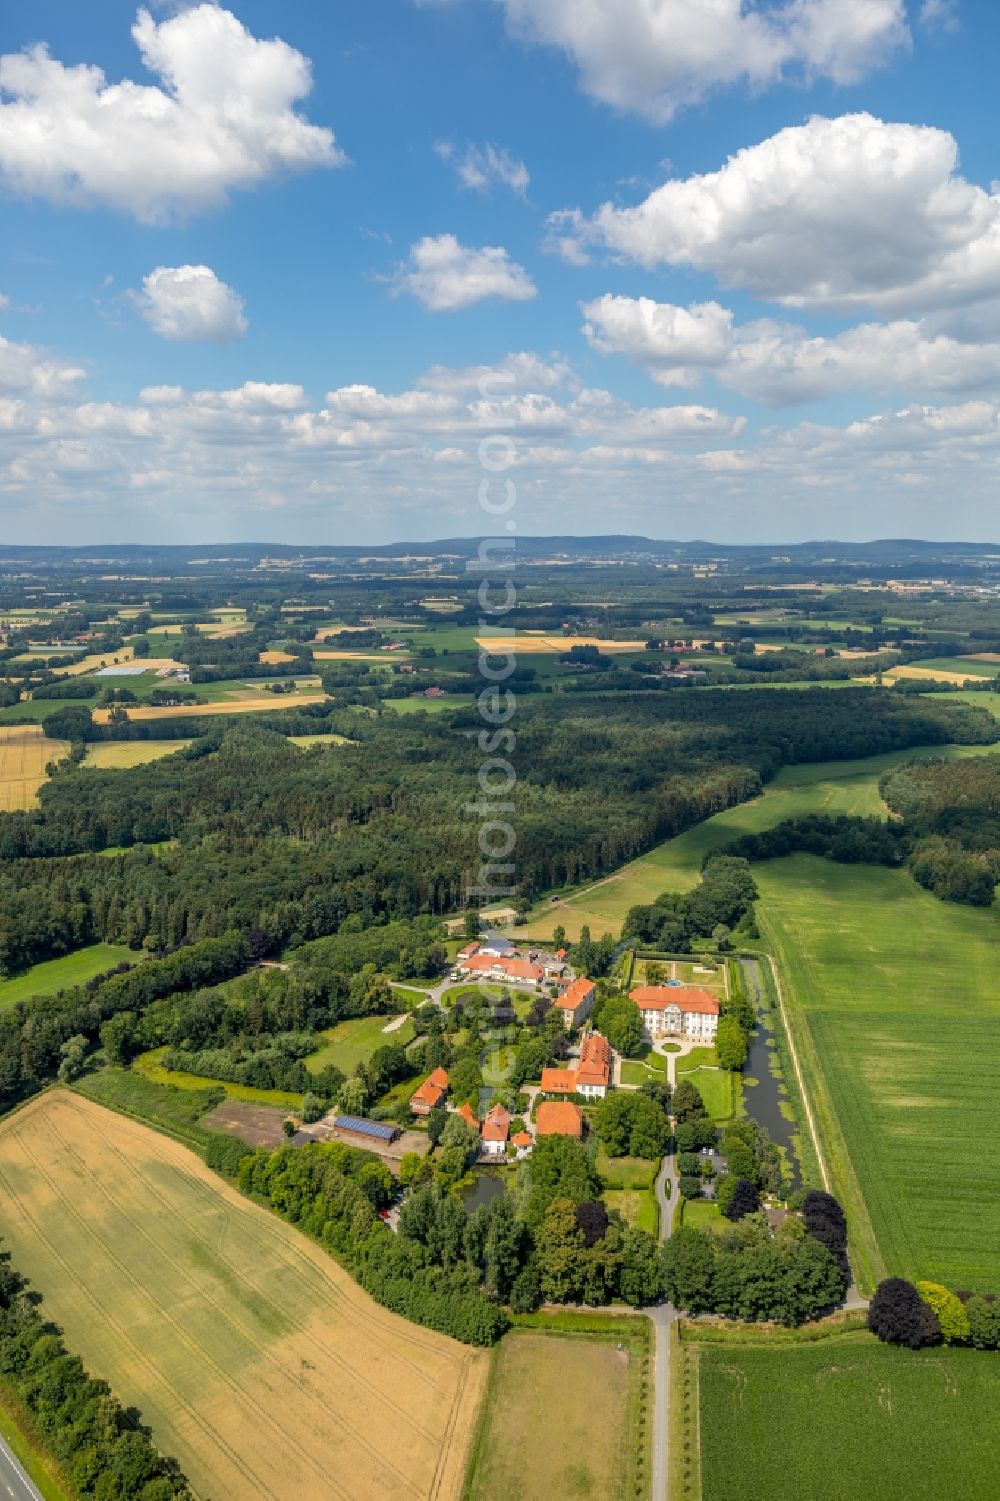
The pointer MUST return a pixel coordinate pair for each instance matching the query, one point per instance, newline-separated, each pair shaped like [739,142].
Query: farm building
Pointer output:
[365,1130]
[677,1011]
[515,971]
[431,1093]
[558,1118]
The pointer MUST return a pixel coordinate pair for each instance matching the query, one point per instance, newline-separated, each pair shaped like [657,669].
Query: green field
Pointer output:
[824,787]
[121,755]
[352,1042]
[60,974]
[897,996]
[845,1418]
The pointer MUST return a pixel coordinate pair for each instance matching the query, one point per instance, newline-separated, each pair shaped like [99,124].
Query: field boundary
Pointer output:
[22,1436]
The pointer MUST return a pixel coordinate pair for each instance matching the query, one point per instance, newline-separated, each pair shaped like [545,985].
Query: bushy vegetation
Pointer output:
[103,1448]
[722,900]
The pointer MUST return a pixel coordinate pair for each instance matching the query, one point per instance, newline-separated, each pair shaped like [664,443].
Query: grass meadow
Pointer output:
[352,1042]
[895,1006]
[555,1421]
[844,1417]
[824,787]
[253,1357]
[60,974]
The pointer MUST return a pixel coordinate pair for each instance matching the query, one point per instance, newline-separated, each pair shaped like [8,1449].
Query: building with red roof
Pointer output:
[495,967]
[577,1001]
[558,1118]
[591,1077]
[677,1011]
[468,1115]
[431,1093]
[494,1131]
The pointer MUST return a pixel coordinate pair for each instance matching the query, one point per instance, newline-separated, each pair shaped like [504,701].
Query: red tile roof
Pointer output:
[496,1126]
[468,951]
[558,1080]
[514,969]
[522,1139]
[575,994]
[468,1115]
[432,1091]
[558,1118]
[595,1060]
[685,997]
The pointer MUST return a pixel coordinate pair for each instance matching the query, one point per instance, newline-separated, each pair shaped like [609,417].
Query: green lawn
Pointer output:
[845,1418]
[637,1206]
[59,974]
[895,1005]
[352,1042]
[702,1214]
[718,1089]
[627,1172]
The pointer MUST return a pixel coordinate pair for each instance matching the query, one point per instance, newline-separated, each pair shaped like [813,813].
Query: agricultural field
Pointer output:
[120,755]
[60,974]
[541,1438]
[253,1357]
[25,751]
[857,1418]
[823,787]
[895,1005]
[251,702]
[352,1042]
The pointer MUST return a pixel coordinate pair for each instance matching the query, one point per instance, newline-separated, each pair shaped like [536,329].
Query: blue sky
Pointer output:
[222,321]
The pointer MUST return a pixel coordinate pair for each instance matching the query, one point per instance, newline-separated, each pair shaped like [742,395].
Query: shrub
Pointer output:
[899,1316]
[743,1200]
[225,1153]
[950,1313]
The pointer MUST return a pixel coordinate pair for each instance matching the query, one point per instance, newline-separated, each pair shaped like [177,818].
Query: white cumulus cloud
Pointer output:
[444,275]
[782,364]
[835,214]
[190,303]
[223,117]
[656,56]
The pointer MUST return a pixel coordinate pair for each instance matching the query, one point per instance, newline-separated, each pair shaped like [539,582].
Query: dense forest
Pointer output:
[244,831]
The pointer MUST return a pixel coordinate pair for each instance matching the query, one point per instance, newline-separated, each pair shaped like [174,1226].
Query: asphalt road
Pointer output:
[13,1481]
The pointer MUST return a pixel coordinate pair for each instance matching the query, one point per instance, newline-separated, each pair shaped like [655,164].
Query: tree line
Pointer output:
[103,1448]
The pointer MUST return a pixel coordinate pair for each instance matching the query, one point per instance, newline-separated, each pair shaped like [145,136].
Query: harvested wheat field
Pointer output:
[254,1358]
[25,751]
[533,641]
[253,701]
[122,755]
[940,674]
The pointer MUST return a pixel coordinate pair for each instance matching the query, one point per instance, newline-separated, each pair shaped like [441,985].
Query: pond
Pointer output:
[486,1186]
[765,1098]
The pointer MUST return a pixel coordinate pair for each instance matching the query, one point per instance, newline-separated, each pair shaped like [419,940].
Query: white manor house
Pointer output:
[677,1011]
